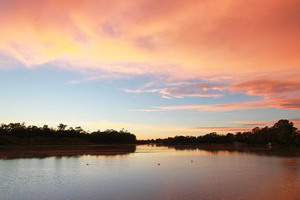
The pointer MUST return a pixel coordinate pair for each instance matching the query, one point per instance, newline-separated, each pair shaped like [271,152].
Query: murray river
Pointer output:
[152,172]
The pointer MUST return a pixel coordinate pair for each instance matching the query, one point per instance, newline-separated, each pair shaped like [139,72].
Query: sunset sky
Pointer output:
[157,68]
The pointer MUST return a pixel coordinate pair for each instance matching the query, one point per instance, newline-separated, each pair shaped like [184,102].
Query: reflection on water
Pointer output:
[11,152]
[228,149]
[218,175]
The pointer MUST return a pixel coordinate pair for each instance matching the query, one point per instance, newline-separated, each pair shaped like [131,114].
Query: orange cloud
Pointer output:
[252,124]
[221,129]
[229,42]
[181,39]
[286,103]
[283,94]
[267,87]
[243,126]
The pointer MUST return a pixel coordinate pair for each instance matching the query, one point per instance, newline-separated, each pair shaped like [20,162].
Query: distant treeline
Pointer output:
[282,133]
[20,134]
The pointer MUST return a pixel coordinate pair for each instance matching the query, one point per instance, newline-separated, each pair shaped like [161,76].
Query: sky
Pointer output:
[157,68]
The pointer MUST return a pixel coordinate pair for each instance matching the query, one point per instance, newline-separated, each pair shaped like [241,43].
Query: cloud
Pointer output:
[241,126]
[236,46]
[267,86]
[213,107]
[182,39]
[272,94]
[286,103]
[183,89]
[296,119]
[221,129]
[284,94]
[193,90]
[281,103]
[252,124]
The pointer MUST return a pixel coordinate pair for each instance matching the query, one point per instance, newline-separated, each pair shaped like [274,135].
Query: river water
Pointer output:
[154,173]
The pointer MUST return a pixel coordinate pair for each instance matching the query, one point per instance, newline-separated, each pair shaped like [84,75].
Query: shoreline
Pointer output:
[43,151]
[257,150]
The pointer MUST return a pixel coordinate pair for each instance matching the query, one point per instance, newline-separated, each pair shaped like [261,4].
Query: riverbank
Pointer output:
[229,148]
[42,151]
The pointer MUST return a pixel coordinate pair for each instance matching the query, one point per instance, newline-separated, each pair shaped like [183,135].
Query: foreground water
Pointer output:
[154,173]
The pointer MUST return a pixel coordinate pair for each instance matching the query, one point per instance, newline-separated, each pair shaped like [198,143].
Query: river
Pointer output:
[154,173]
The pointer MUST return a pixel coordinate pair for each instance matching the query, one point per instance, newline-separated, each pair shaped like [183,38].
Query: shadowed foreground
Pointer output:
[11,152]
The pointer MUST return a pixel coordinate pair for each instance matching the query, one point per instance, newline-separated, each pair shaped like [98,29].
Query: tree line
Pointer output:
[19,133]
[282,133]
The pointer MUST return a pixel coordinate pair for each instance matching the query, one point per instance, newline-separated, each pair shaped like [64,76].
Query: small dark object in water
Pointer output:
[158,163]
[87,164]
[192,161]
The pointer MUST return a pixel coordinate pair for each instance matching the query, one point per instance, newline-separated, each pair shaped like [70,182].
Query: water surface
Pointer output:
[154,173]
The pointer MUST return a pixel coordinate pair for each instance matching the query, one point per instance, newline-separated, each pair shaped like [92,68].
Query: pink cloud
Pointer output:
[274,103]
[282,94]
[190,39]
[225,42]
[286,103]
[273,93]
[267,86]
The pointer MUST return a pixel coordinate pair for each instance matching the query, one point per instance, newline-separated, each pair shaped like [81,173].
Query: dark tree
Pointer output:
[62,127]
[285,132]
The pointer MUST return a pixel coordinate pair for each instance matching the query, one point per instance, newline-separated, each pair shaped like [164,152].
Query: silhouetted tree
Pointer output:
[62,127]
[78,129]
[18,133]
[285,132]
[229,138]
